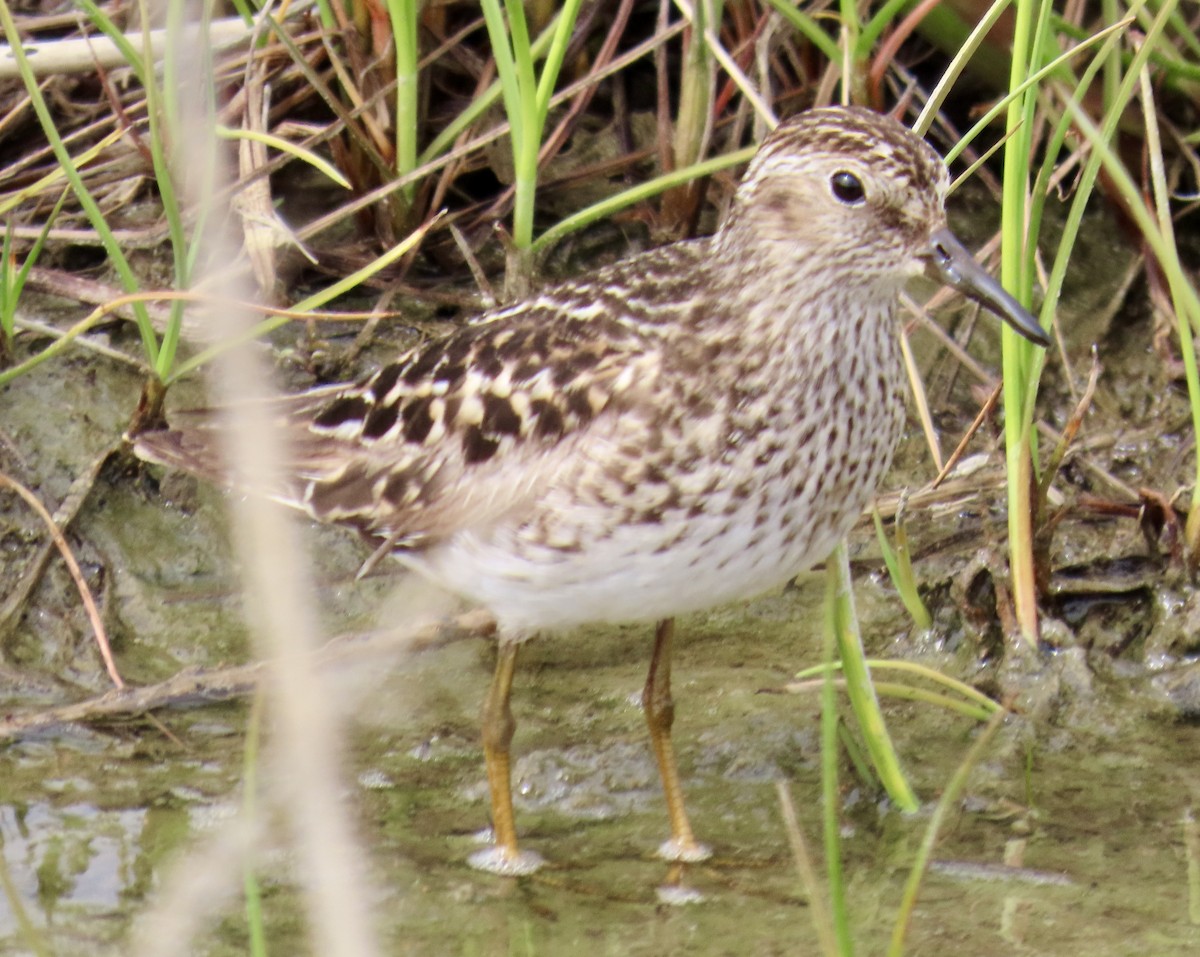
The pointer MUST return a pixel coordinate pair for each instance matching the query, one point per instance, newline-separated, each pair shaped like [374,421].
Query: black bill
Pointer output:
[950,262]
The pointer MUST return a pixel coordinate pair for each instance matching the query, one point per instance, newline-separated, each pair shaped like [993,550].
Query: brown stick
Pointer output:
[197,685]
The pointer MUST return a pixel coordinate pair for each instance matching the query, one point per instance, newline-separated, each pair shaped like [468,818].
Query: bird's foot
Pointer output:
[684,852]
[506,861]
[678,895]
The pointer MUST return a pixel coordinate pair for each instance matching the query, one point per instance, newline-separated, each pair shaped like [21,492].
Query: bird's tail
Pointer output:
[196,450]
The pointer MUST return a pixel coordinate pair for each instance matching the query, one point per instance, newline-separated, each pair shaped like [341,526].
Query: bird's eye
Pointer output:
[847,188]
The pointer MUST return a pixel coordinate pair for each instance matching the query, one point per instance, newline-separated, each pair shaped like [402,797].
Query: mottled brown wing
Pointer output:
[455,432]
[461,431]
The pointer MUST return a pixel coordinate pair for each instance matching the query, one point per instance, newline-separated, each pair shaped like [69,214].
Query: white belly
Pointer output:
[640,572]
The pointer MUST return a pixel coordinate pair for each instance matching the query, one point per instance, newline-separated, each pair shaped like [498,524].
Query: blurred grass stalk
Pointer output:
[304,750]
[256,931]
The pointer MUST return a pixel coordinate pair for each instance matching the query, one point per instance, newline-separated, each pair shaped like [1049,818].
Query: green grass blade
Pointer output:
[480,104]
[44,183]
[560,38]
[166,128]
[90,207]
[858,686]
[318,163]
[808,28]
[9,293]
[873,29]
[956,65]
[14,279]
[101,21]
[1017,353]
[637,194]
[970,702]
[985,121]
[899,565]
[831,802]
[313,302]
[945,806]
[405,16]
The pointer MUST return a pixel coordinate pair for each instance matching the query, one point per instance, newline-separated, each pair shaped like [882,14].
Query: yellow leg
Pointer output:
[504,857]
[660,715]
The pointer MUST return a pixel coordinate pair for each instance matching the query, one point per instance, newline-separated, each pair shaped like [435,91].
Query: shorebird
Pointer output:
[691,426]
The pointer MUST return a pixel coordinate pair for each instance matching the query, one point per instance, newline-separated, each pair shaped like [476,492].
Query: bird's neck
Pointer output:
[795,299]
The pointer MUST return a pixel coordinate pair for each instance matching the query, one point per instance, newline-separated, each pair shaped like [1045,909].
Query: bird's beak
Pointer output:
[950,262]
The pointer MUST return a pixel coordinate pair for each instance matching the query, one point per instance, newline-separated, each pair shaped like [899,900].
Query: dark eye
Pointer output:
[848,188]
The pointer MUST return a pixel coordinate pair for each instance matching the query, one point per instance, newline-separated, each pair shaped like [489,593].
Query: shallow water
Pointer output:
[90,820]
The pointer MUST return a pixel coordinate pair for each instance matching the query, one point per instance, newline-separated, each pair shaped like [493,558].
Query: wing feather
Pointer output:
[464,430]
[467,429]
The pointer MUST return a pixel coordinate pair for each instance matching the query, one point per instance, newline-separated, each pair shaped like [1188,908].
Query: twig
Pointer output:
[64,515]
[1072,427]
[197,686]
[85,593]
[982,415]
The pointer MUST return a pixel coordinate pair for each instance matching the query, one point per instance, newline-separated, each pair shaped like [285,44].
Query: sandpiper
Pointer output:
[691,426]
